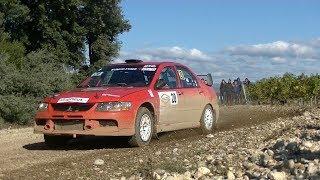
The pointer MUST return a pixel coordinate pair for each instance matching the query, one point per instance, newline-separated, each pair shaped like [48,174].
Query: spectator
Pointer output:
[246,82]
[223,91]
[237,91]
[229,93]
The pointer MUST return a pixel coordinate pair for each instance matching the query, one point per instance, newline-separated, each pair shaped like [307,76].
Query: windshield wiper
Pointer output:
[115,84]
[122,84]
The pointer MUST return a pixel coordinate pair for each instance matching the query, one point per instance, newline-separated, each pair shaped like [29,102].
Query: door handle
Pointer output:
[179,93]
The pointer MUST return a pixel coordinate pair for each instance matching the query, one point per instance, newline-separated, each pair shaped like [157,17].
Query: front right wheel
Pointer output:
[143,128]
[208,120]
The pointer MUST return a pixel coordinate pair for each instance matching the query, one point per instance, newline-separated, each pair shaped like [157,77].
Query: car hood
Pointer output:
[93,95]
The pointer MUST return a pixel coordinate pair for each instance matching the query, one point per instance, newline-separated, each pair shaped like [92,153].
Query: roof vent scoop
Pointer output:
[133,61]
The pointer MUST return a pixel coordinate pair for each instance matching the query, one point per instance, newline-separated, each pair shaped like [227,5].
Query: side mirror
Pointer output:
[160,83]
[209,81]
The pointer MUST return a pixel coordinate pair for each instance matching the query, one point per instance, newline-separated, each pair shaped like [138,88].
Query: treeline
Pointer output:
[288,88]
[42,44]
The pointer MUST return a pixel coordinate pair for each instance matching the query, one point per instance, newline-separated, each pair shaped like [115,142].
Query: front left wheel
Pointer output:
[144,127]
[208,120]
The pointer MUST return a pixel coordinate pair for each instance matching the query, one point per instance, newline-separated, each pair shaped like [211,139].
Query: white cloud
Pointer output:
[279,59]
[278,49]
[252,61]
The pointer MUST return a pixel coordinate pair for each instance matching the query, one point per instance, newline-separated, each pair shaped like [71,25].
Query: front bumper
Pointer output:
[90,122]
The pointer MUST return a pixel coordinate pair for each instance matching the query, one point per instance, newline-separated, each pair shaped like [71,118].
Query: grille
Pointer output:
[69,125]
[72,107]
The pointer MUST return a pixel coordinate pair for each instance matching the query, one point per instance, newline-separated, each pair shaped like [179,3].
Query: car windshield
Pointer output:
[121,75]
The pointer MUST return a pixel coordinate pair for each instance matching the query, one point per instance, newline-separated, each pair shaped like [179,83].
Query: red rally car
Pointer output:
[135,99]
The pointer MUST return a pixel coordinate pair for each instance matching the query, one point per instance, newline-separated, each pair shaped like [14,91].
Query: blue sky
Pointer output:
[244,38]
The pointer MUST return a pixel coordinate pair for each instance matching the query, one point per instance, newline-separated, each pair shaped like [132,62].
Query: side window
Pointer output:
[186,78]
[169,78]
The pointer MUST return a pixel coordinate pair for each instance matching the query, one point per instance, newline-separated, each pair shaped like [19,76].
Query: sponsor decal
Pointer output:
[181,75]
[149,65]
[168,97]
[73,100]
[150,93]
[121,69]
[148,69]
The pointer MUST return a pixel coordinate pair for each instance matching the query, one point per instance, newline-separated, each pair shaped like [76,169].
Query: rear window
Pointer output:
[121,75]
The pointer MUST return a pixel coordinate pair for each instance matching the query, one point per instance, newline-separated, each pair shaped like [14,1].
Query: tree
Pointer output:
[65,26]
[103,20]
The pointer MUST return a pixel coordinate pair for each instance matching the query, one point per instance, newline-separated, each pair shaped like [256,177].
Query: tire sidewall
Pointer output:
[136,140]
[202,121]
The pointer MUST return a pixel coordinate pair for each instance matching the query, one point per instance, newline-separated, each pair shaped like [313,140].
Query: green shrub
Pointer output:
[22,89]
[17,109]
[286,88]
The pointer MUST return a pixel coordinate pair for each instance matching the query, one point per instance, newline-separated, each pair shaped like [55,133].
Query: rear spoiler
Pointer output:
[206,78]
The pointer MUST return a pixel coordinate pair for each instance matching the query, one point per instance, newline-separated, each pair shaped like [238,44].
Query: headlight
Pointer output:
[113,106]
[43,106]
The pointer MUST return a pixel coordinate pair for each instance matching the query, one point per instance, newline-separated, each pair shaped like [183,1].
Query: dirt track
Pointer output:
[23,153]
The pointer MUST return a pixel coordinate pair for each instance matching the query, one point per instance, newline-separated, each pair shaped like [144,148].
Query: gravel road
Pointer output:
[23,154]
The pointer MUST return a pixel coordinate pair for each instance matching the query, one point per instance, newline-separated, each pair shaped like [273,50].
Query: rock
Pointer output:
[264,160]
[247,165]
[292,147]
[171,178]
[156,176]
[203,171]
[217,177]
[210,136]
[245,177]
[209,158]
[123,178]
[98,162]
[175,151]
[161,172]
[133,177]
[277,175]
[270,152]
[230,175]
[201,164]
[256,175]
[238,174]
[290,164]
[279,145]
[312,169]
[187,174]
[307,144]
[306,113]
[158,153]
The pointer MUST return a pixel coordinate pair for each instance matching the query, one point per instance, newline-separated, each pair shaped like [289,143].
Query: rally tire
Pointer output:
[144,128]
[208,120]
[56,141]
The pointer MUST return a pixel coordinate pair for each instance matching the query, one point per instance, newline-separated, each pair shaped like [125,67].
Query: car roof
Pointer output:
[157,63]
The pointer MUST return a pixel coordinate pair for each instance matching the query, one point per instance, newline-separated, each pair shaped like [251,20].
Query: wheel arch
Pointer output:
[151,108]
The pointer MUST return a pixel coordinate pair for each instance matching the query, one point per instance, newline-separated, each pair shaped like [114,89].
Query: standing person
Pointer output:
[235,91]
[245,83]
[223,91]
[229,92]
[239,91]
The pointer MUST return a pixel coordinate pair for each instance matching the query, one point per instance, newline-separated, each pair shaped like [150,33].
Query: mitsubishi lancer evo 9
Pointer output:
[135,99]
